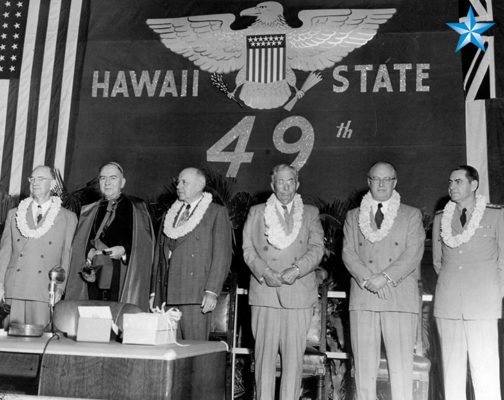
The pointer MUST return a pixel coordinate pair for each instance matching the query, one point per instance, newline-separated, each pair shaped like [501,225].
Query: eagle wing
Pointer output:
[327,36]
[206,40]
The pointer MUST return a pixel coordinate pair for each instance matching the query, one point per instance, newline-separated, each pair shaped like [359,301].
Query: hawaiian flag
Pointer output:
[39,63]
[265,58]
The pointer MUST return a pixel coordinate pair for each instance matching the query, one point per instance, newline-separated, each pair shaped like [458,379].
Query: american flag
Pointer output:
[40,51]
[265,58]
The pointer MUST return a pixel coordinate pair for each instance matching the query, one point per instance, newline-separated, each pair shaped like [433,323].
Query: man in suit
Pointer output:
[283,243]
[36,238]
[382,249]
[468,252]
[113,248]
[193,255]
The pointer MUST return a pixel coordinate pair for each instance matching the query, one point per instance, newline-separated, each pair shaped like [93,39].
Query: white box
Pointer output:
[147,328]
[95,324]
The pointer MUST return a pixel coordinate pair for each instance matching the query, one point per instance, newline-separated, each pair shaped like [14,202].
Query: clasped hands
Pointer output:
[277,279]
[378,284]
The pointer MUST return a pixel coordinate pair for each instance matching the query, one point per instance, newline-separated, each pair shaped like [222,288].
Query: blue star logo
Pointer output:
[470,31]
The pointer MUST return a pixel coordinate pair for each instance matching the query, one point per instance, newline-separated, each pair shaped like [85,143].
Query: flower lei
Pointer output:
[469,229]
[194,219]
[274,230]
[388,220]
[22,223]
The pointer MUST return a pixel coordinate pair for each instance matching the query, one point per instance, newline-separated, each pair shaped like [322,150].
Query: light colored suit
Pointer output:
[187,266]
[25,262]
[468,302]
[398,255]
[281,315]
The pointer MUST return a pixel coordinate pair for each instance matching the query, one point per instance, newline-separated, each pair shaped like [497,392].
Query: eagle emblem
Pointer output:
[267,52]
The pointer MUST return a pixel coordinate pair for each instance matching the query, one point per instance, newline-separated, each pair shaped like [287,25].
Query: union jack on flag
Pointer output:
[265,58]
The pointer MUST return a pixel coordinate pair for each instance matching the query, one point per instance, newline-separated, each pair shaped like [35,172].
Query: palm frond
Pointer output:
[6,203]
[74,201]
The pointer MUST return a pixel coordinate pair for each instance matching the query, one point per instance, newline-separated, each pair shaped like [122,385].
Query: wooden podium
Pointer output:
[193,370]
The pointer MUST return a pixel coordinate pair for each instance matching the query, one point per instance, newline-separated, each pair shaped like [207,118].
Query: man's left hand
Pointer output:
[289,275]
[209,302]
[376,282]
[115,252]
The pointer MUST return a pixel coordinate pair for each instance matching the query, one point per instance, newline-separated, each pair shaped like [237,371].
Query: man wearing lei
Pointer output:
[37,237]
[468,253]
[193,255]
[283,243]
[382,249]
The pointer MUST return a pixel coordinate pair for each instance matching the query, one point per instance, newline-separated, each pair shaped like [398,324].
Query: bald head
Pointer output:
[190,185]
[383,164]
[382,180]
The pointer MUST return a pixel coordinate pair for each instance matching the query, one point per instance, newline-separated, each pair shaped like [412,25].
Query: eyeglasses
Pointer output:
[103,178]
[377,180]
[38,179]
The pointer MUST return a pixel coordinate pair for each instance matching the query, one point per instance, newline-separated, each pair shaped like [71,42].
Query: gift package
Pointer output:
[155,328]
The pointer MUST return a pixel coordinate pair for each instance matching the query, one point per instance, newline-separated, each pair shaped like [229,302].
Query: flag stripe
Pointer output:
[34,94]
[4,94]
[59,56]
[23,98]
[68,83]
[10,123]
[44,100]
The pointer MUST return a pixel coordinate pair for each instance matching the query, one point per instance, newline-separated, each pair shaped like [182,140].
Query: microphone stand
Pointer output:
[56,275]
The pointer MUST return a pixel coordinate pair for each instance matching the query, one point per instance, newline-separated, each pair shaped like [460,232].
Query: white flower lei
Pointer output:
[274,231]
[469,229]
[191,223]
[22,223]
[388,220]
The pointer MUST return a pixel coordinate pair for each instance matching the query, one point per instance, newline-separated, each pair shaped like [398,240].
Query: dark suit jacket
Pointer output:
[398,255]
[306,252]
[25,262]
[199,261]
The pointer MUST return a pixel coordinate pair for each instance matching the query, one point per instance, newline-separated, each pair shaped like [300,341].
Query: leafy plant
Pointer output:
[74,201]
[6,203]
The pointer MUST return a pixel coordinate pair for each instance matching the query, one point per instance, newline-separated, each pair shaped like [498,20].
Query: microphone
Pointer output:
[56,275]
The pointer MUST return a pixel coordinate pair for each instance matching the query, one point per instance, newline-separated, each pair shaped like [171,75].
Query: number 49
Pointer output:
[241,133]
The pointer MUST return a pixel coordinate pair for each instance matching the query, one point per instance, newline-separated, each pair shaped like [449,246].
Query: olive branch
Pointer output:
[219,83]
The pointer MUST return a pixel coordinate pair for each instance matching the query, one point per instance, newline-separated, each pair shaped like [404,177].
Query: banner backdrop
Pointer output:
[381,80]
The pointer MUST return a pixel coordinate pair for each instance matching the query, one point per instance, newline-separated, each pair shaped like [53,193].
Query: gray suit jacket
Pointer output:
[398,255]
[25,262]
[306,252]
[470,282]
[199,260]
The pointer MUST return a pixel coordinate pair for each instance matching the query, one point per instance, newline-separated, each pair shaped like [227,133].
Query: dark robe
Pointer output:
[134,282]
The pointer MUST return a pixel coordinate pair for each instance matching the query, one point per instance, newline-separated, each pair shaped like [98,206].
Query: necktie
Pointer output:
[39,214]
[185,216]
[463,216]
[379,216]
[287,218]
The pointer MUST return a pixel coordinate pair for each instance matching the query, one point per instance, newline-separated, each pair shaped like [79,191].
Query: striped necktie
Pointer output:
[185,216]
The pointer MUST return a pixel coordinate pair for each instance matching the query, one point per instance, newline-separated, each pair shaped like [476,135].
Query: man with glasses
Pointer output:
[193,255]
[283,243]
[37,237]
[382,249]
[114,245]
[468,255]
